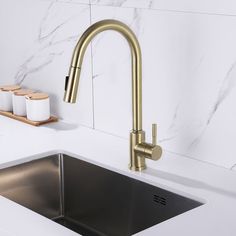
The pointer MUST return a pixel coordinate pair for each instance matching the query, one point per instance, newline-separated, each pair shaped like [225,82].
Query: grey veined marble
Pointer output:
[126,3]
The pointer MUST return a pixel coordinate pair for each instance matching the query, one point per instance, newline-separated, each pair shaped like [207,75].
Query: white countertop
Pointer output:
[208,183]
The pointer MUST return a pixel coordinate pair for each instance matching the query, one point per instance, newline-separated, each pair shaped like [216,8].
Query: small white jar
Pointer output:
[37,106]
[18,101]
[6,97]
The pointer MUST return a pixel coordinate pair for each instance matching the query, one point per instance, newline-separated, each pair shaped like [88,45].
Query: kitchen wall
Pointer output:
[189,67]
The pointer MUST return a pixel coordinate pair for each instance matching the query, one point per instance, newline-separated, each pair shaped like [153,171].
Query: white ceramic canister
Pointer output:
[6,97]
[18,101]
[37,106]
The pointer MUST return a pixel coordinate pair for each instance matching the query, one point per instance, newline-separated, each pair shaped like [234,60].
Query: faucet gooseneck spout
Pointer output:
[139,150]
[78,56]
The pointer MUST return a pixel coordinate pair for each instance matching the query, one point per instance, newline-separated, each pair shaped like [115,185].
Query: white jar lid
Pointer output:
[37,96]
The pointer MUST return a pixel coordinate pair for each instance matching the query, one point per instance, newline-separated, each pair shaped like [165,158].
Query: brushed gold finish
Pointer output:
[78,55]
[139,150]
[137,162]
[154,134]
[149,151]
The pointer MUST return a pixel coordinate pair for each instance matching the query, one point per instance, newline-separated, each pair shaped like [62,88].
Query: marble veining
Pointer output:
[179,79]
[40,60]
[233,167]
[116,3]
[47,44]
[69,1]
[227,86]
[189,68]
[125,3]
[172,131]
[226,7]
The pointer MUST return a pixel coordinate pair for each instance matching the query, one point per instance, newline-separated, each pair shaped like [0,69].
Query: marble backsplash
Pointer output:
[189,67]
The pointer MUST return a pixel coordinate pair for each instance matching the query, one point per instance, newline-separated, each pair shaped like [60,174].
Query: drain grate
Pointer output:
[159,199]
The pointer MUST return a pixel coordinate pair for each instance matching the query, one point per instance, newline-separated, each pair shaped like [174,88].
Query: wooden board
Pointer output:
[25,120]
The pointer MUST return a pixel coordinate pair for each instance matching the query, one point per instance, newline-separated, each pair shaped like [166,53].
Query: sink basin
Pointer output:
[89,199]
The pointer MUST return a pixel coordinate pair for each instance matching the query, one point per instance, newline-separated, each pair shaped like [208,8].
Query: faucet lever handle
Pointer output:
[154,134]
[149,150]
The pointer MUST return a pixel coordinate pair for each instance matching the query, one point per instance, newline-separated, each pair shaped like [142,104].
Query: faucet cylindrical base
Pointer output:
[137,162]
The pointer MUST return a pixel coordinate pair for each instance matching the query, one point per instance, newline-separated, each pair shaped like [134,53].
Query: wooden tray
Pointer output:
[25,120]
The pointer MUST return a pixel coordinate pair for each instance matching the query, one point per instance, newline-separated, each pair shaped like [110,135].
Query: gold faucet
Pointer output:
[139,149]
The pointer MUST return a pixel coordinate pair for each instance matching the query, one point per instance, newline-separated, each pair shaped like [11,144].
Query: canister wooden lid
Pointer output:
[2,86]
[37,96]
[9,88]
[23,92]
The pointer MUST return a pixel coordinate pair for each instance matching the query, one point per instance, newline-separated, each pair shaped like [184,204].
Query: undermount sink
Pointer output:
[89,199]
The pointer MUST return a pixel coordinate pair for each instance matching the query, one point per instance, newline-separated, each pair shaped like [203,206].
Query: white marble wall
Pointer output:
[224,7]
[189,67]
[37,48]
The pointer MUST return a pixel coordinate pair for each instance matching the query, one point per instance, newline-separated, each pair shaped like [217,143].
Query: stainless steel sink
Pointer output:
[89,199]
